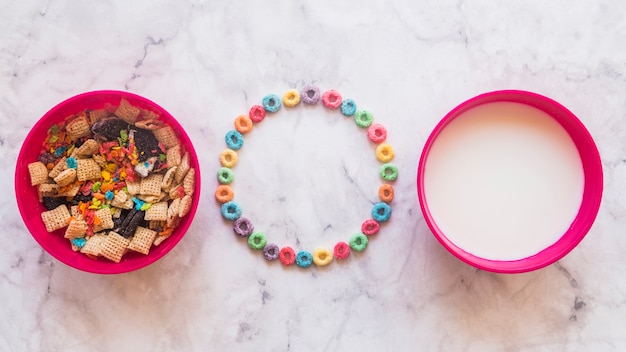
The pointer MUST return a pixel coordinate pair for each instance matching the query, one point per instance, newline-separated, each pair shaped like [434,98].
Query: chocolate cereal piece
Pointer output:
[52,202]
[129,228]
[109,129]
[55,219]
[147,145]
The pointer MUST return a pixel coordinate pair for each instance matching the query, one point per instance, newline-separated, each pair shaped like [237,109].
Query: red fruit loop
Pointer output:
[377,133]
[257,113]
[331,99]
[287,256]
[342,250]
[370,227]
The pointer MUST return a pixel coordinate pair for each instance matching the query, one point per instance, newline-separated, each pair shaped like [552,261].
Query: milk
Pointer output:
[503,181]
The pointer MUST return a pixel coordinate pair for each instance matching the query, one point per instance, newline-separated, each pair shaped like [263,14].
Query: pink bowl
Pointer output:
[592,189]
[30,207]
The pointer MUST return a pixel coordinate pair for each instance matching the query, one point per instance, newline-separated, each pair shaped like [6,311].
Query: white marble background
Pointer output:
[306,171]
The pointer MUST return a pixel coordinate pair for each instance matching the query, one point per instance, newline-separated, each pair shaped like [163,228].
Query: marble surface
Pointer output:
[308,177]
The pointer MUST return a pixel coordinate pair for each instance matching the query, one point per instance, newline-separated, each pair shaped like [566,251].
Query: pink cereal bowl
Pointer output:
[30,208]
[592,184]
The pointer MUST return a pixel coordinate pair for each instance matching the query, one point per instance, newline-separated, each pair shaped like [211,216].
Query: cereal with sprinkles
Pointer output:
[107,177]
[321,256]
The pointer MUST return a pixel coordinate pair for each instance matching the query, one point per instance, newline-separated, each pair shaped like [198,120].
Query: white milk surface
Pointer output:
[503,181]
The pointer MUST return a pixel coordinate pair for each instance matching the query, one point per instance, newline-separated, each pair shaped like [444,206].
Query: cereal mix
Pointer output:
[111,178]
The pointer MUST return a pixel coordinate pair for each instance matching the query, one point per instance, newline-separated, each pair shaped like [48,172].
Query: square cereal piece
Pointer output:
[133,187]
[167,136]
[76,228]
[157,211]
[120,200]
[127,112]
[75,212]
[59,167]
[172,213]
[56,218]
[189,182]
[47,189]
[94,245]
[66,177]
[159,239]
[88,148]
[87,169]
[151,185]
[100,160]
[168,178]
[97,115]
[106,219]
[78,127]
[185,206]
[173,156]
[142,241]
[38,173]
[114,246]
[70,191]
[182,168]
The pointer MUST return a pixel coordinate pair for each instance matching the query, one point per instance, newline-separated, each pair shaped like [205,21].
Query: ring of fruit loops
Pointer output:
[243,227]
[116,178]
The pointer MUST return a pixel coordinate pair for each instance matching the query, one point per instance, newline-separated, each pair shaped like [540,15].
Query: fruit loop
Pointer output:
[331,100]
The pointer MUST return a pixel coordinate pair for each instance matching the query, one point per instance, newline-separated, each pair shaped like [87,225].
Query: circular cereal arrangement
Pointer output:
[243,227]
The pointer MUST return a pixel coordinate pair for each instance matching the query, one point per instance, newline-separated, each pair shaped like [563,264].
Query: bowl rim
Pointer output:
[592,190]
[102,266]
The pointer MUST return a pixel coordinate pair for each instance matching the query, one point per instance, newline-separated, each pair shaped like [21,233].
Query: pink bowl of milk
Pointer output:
[510,181]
